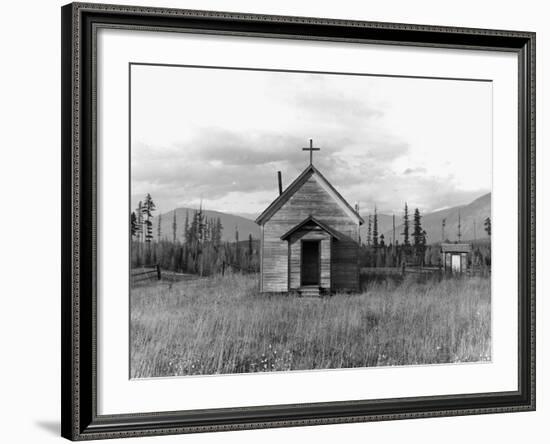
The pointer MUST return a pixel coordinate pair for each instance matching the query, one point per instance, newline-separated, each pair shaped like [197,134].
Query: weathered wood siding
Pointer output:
[295,257]
[326,268]
[310,199]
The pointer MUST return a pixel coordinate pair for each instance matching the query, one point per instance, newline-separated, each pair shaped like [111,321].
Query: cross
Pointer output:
[311,149]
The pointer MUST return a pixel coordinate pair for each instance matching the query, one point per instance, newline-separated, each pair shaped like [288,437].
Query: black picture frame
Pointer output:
[80,420]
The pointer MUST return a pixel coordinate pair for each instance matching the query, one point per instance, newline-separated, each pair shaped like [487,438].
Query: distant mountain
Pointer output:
[476,211]
[229,222]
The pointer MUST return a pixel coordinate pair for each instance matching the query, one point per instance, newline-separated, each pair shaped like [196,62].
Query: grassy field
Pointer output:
[222,325]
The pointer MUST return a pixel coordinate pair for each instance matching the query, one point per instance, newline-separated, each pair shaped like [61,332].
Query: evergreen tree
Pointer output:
[418,235]
[193,232]
[405,233]
[217,233]
[174,228]
[375,228]
[417,228]
[133,224]
[194,241]
[147,210]
[487,225]
[369,231]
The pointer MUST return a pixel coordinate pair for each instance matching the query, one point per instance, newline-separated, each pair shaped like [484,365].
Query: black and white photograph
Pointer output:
[298,221]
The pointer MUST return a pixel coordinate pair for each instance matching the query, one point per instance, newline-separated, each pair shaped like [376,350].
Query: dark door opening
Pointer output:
[310,262]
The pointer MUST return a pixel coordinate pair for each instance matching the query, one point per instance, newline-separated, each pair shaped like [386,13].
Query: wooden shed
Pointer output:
[454,257]
[309,239]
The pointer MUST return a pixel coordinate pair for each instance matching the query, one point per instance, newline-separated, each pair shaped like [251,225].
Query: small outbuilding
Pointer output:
[309,239]
[454,257]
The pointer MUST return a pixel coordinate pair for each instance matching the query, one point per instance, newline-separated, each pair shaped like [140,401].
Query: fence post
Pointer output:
[158,271]
[403,268]
[223,268]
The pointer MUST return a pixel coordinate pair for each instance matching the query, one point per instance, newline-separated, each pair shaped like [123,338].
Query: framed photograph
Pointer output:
[278,221]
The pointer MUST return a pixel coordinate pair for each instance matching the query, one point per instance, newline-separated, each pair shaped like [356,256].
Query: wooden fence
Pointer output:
[424,270]
[146,272]
[403,269]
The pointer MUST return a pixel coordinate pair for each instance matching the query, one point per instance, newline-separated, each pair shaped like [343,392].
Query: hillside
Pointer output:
[477,211]
[229,223]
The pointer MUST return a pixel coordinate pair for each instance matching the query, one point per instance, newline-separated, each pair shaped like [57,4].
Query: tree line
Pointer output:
[199,251]
[377,253]
[414,248]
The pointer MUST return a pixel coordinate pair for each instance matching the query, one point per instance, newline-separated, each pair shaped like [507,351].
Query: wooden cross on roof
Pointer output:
[311,149]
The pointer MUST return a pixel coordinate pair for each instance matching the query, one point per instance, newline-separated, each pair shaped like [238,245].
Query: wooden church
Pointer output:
[309,238]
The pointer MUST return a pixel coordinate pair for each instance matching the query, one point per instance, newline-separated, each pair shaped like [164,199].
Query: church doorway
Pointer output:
[310,262]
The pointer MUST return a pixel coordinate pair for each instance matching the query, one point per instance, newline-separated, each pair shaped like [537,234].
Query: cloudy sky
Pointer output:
[221,136]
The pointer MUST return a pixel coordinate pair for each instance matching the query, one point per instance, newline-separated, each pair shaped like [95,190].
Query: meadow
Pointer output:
[221,325]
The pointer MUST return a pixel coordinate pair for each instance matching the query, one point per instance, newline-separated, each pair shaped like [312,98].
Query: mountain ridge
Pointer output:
[472,218]
[476,211]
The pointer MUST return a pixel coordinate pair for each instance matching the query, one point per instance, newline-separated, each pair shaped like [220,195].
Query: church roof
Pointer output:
[311,221]
[296,185]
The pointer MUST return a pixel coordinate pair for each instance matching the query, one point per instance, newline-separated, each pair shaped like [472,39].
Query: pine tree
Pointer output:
[147,209]
[405,233]
[217,233]
[487,225]
[375,228]
[369,231]
[174,228]
[417,228]
[194,241]
[133,224]
[419,238]
[200,225]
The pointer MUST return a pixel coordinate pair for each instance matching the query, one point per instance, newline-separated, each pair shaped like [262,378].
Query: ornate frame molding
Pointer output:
[79,407]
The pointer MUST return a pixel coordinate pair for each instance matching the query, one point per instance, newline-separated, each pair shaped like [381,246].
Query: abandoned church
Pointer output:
[309,238]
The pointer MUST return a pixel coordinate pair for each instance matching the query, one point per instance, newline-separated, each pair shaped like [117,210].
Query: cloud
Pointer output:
[418,170]
[337,106]
[227,145]
[234,148]
[236,167]
[217,162]
[428,193]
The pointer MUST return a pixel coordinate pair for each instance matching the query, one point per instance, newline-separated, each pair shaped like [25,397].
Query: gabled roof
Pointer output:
[456,248]
[308,220]
[296,185]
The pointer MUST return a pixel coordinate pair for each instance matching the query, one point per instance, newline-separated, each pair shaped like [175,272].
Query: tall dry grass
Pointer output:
[222,325]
